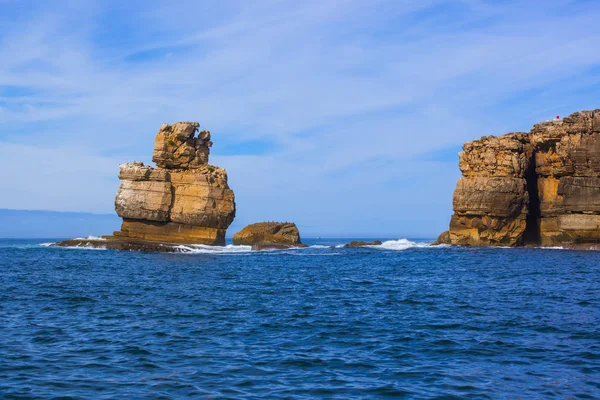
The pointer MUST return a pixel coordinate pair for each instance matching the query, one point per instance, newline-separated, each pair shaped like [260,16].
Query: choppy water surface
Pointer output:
[391,321]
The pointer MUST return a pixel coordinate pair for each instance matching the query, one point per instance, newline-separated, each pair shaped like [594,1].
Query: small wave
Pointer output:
[24,246]
[82,247]
[316,254]
[400,244]
[91,238]
[319,246]
[520,248]
[203,249]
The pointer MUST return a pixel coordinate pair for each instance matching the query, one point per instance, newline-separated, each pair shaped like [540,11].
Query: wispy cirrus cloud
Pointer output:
[325,112]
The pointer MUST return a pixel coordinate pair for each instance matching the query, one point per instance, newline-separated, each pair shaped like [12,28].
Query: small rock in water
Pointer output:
[355,243]
[269,235]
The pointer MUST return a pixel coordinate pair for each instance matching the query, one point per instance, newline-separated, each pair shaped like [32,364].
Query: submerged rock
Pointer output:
[125,244]
[269,235]
[355,243]
[541,188]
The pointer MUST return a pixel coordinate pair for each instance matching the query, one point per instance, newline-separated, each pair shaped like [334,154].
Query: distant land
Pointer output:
[44,224]
[26,224]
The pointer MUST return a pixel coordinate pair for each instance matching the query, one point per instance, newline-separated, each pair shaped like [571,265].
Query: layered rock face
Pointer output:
[567,164]
[491,199]
[541,188]
[184,200]
[264,235]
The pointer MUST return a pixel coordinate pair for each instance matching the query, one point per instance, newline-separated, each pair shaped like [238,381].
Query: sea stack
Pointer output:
[540,188]
[184,199]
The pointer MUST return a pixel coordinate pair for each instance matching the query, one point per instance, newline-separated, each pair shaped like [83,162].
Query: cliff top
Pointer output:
[587,121]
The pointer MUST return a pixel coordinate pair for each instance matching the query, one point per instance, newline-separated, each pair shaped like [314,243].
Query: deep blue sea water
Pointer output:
[389,322]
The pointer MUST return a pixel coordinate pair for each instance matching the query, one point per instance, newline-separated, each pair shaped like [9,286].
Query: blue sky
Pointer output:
[344,116]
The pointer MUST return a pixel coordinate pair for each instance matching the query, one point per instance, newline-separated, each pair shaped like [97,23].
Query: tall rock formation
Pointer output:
[567,164]
[541,188]
[183,200]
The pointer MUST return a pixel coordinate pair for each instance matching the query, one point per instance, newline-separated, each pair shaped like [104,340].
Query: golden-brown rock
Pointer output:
[567,159]
[537,189]
[506,155]
[268,233]
[499,197]
[490,201]
[177,147]
[184,200]
[444,238]
[171,232]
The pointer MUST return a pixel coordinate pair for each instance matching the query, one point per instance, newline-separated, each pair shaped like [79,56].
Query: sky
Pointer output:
[343,116]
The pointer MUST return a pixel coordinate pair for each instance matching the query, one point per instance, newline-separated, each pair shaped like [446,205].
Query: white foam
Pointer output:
[83,247]
[203,249]
[400,244]
[91,238]
[80,247]
[319,246]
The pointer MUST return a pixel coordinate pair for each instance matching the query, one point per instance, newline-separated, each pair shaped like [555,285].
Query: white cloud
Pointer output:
[60,179]
[339,87]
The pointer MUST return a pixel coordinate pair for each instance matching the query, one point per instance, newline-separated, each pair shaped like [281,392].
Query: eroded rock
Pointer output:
[269,235]
[491,200]
[184,200]
[177,147]
[444,238]
[541,188]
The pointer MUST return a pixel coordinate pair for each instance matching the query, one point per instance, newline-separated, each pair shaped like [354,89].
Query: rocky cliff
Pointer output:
[536,188]
[183,200]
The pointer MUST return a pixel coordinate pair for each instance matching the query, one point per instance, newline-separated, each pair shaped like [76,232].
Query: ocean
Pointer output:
[401,320]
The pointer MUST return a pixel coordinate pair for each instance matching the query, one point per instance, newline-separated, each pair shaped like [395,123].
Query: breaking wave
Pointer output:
[91,237]
[203,249]
[401,244]
[76,247]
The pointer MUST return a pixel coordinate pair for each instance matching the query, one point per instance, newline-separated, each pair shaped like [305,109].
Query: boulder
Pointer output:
[264,235]
[444,238]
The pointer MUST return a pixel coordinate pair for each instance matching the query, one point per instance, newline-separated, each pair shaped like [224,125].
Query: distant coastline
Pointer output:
[27,224]
[35,224]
